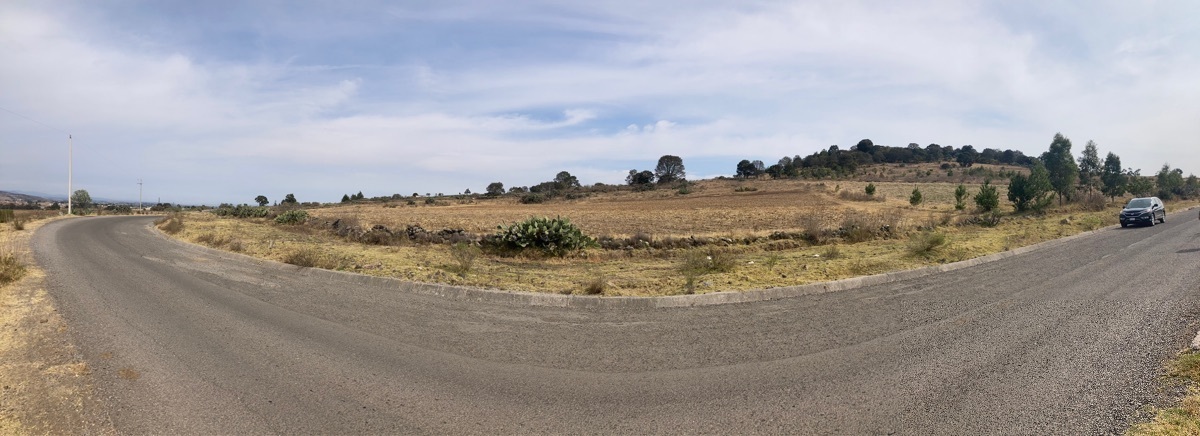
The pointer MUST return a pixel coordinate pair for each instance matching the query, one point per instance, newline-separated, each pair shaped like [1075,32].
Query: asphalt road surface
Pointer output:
[1068,339]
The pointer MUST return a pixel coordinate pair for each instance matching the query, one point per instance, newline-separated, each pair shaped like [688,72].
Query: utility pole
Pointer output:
[70,158]
[139,196]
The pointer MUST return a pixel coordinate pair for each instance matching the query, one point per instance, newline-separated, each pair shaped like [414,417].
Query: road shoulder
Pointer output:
[46,386]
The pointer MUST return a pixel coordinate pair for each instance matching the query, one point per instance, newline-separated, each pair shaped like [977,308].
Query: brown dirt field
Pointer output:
[713,209]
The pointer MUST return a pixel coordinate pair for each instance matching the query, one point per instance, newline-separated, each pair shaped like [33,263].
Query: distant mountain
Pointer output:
[44,196]
[17,198]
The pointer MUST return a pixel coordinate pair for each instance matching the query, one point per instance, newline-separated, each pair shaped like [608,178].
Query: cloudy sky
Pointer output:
[220,101]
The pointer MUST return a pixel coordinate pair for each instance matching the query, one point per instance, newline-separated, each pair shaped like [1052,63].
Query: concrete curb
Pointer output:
[518,298]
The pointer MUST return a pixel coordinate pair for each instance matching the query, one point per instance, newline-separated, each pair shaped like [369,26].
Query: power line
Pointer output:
[35,121]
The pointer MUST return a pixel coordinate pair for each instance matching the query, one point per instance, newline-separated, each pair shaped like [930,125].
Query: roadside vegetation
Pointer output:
[1184,418]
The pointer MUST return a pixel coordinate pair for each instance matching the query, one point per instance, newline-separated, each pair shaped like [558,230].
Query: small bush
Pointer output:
[1093,201]
[870,189]
[745,189]
[464,255]
[987,199]
[697,263]
[235,246]
[596,285]
[533,199]
[6,215]
[305,257]
[925,244]
[11,268]
[771,261]
[960,195]
[18,224]
[859,196]
[292,217]
[553,236]
[241,211]
[831,252]
[171,224]
[916,198]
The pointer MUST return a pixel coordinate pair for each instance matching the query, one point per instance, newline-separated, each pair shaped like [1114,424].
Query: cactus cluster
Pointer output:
[554,236]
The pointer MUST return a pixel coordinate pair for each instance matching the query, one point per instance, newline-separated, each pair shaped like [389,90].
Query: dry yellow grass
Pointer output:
[713,209]
[1183,419]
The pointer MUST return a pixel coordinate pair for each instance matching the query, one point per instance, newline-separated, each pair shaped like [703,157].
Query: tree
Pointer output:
[915,198]
[1030,192]
[467,191]
[960,195]
[1112,178]
[495,189]
[262,200]
[1089,166]
[1169,181]
[359,196]
[987,199]
[289,199]
[345,198]
[865,146]
[759,167]
[669,169]
[564,180]
[81,199]
[1138,185]
[746,169]
[1061,166]
[967,156]
[639,178]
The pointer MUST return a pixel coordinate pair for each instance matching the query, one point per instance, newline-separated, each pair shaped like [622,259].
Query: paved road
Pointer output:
[1063,340]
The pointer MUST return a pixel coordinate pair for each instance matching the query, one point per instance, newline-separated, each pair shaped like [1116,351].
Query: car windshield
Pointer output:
[1138,203]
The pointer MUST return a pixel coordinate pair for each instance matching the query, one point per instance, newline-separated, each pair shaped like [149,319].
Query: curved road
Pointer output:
[1067,339]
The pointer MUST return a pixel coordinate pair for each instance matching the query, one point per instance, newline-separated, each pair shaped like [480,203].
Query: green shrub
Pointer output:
[870,190]
[292,217]
[242,211]
[987,199]
[916,197]
[533,199]
[960,195]
[554,236]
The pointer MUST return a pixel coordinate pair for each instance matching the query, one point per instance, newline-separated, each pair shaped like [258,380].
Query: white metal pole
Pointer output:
[139,196]
[70,158]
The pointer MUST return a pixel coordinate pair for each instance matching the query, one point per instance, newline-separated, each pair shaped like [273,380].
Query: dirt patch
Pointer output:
[46,386]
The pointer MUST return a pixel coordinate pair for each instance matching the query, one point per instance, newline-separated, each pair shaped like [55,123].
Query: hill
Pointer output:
[12,198]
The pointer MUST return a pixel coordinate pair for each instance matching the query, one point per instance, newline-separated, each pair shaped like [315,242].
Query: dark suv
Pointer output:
[1144,210]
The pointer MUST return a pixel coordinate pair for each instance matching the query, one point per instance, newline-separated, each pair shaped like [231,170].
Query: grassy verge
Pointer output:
[1183,419]
[755,262]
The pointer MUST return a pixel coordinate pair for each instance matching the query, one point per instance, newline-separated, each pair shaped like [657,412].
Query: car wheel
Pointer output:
[1152,221]
[1123,225]
[1164,218]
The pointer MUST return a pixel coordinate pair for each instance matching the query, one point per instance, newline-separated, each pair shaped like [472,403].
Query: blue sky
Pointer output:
[213,102]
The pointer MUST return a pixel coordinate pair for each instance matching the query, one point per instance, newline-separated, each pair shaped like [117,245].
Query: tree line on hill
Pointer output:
[1055,174]
[835,162]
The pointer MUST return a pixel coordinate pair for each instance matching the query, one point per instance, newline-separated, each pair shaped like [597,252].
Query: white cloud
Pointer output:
[709,80]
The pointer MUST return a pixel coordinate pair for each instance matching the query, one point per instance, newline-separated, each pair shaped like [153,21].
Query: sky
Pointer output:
[220,101]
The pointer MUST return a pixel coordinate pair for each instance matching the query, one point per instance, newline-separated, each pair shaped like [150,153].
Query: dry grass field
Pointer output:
[739,216]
